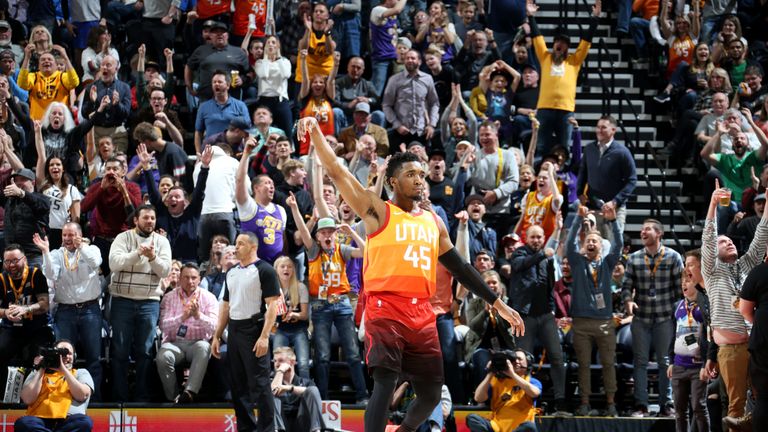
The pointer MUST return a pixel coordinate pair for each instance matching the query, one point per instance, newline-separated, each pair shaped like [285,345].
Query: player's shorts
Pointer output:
[400,335]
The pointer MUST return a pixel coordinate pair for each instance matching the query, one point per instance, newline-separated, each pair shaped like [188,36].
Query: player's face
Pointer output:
[410,182]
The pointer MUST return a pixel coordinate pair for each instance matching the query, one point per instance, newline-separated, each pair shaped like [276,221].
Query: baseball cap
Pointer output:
[529,66]
[405,41]
[4,24]
[326,223]
[238,123]
[152,64]
[7,54]
[215,25]
[591,218]
[511,238]
[463,143]
[473,197]
[760,197]
[437,152]
[363,107]
[24,172]
[414,144]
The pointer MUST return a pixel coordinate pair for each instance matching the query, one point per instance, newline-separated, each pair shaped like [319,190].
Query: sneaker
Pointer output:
[185,397]
[667,411]
[583,410]
[559,409]
[611,411]
[742,424]
[363,402]
[640,411]
[662,97]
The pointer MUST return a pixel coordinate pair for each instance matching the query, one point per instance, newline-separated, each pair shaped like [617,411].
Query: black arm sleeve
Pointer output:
[593,21]
[534,27]
[467,275]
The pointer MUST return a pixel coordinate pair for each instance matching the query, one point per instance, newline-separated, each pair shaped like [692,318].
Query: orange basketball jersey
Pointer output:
[538,212]
[328,271]
[401,257]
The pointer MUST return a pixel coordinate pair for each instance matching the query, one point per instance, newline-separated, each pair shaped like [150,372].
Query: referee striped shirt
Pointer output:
[656,282]
[245,288]
[724,281]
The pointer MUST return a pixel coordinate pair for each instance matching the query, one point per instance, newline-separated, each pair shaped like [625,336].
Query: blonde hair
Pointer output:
[293,282]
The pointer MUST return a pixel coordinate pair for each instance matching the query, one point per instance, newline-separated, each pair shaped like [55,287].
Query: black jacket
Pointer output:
[25,217]
[532,282]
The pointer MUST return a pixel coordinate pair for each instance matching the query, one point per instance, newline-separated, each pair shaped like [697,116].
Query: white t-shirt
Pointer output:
[60,206]
[90,55]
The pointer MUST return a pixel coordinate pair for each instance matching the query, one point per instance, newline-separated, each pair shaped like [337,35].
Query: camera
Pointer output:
[51,357]
[499,365]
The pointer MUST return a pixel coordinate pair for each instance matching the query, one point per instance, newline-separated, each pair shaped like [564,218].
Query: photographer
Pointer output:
[512,391]
[56,395]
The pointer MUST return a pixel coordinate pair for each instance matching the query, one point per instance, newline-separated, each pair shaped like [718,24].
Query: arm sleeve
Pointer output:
[467,275]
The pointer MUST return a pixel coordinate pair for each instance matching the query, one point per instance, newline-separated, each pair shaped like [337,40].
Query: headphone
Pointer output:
[528,359]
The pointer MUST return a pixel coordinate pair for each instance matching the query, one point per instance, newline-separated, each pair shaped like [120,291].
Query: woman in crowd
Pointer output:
[65,197]
[438,31]
[218,244]
[317,94]
[294,323]
[682,38]
[730,30]
[99,46]
[273,71]
[690,79]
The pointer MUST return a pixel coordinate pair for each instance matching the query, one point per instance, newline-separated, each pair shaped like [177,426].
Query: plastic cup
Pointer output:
[725,200]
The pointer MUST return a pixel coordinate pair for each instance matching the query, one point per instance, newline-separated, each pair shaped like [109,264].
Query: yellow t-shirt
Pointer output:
[44,90]
[558,82]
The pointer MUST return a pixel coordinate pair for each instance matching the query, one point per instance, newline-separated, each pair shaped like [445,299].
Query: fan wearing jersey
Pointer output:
[329,298]
[401,253]
[259,214]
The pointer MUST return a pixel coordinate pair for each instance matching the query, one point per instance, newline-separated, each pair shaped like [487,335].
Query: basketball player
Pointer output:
[404,244]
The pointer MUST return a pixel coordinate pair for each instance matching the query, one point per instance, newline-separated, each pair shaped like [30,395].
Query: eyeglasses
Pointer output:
[13,261]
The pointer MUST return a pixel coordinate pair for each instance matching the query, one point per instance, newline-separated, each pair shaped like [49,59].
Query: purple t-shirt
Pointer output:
[268,223]
[383,35]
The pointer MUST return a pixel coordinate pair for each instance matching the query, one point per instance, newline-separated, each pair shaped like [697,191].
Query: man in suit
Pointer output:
[607,175]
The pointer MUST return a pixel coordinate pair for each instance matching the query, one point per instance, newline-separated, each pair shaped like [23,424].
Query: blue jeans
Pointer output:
[544,329]
[476,423]
[379,71]
[624,13]
[480,359]
[339,120]
[297,339]
[639,28]
[660,334]
[324,315]
[120,13]
[378,118]
[82,327]
[133,335]
[73,423]
[448,346]
[553,121]
[346,33]
[707,33]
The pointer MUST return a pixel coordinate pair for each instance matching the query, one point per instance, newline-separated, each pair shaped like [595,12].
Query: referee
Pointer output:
[250,291]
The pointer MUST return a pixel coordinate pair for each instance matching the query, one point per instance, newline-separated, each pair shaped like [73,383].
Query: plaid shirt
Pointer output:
[656,281]
[172,307]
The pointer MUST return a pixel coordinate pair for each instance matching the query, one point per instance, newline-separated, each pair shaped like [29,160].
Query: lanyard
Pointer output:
[73,266]
[500,167]
[326,264]
[656,262]
[735,277]
[17,293]
[595,269]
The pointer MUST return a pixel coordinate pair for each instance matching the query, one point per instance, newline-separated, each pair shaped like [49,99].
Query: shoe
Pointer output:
[363,402]
[559,409]
[742,424]
[185,397]
[667,411]
[640,411]
[583,410]
[662,97]
[612,411]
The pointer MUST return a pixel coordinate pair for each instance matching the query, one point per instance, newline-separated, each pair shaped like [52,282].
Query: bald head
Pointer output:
[534,237]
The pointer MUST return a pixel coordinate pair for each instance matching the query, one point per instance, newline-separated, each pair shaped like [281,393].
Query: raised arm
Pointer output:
[761,152]
[241,194]
[317,191]
[306,236]
[330,84]
[371,208]
[666,30]
[305,81]
[712,147]
[40,147]
[531,154]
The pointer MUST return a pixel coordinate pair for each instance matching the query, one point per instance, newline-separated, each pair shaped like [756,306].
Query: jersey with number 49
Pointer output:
[401,257]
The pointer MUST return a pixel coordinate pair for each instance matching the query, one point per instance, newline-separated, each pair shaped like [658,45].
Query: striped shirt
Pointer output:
[723,280]
[172,309]
[656,282]
[134,276]
[245,288]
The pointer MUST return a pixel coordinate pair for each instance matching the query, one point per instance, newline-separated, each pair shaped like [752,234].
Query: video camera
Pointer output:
[499,365]
[51,357]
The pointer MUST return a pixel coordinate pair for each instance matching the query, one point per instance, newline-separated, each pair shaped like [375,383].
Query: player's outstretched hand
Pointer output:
[511,316]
